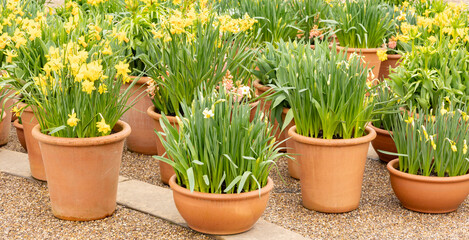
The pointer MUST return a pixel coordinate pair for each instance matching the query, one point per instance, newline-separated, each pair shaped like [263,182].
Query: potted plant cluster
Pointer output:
[198,55]
[431,174]
[222,159]
[331,137]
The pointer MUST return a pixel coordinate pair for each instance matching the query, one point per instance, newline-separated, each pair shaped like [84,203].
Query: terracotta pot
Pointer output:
[370,57]
[166,171]
[4,121]
[386,65]
[383,141]
[331,172]
[254,107]
[142,139]
[83,173]
[34,152]
[428,194]
[265,108]
[20,133]
[220,214]
[5,130]
[293,165]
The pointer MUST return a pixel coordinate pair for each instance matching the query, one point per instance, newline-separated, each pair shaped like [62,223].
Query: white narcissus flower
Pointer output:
[208,113]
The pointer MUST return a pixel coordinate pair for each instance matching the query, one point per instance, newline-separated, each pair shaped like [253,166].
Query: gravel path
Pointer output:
[380,215]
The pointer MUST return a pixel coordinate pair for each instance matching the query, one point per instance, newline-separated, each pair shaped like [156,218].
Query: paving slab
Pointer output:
[15,163]
[266,231]
[372,153]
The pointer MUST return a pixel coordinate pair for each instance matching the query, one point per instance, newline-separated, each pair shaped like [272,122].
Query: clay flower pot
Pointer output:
[20,133]
[331,172]
[4,121]
[142,138]
[83,173]
[220,214]
[383,141]
[166,171]
[5,130]
[34,152]
[428,194]
[293,165]
[370,57]
[386,65]
[265,108]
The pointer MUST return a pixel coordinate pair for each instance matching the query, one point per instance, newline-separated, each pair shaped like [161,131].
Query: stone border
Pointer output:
[151,199]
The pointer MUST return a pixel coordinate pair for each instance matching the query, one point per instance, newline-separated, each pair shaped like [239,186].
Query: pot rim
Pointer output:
[218,196]
[78,142]
[17,124]
[141,81]
[156,116]
[257,84]
[333,142]
[394,56]
[363,50]
[391,166]
[380,130]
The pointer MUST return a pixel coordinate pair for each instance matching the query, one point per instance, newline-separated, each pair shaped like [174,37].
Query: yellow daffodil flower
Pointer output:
[72,119]
[103,127]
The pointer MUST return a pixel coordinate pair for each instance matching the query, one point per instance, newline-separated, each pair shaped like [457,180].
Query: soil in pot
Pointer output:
[83,173]
[142,139]
[383,141]
[166,171]
[428,194]
[220,214]
[331,172]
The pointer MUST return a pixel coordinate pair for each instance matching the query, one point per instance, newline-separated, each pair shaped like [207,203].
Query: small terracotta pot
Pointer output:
[142,139]
[220,214]
[5,130]
[370,57]
[428,194]
[83,173]
[166,171]
[34,152]
[293,165]
[331,172]
[20,133]
[387,65]
[383,141]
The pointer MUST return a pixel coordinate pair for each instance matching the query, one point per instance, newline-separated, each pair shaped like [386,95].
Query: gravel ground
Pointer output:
[379,216]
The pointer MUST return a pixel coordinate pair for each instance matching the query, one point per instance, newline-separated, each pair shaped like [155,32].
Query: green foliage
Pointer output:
[430,72]
[332,87]
[361,23]
[218,149]
[182,66]
[430,144]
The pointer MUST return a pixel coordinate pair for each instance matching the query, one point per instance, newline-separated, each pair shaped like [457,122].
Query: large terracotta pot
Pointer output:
[387,65]
[166,171]
[142,139]
[83,173]
[220,214]
[34,152]
[4,121]
[293,164]
[20,133]
[428,194]
[331,172]
[370,57]
[5,130]
[383,141]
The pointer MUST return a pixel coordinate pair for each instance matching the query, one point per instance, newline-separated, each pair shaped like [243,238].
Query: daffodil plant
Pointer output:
[361,23]
[78,93]
[433,143]
[195,52]
[326,91]
[218,149]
